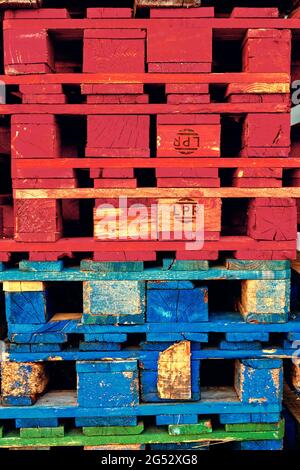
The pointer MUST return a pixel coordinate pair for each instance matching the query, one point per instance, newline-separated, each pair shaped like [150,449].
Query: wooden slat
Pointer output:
[229,25]
[281,80]
[227,243]
[136,162]
[84,109]
[91,193]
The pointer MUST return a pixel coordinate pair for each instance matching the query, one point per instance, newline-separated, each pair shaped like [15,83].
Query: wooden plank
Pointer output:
[46,432]
[245,427]
[142,109]
[87,244]
[109,193]
[174,372]
[113,430]
[237,25]
[164,162]
[203,426]
[253,79]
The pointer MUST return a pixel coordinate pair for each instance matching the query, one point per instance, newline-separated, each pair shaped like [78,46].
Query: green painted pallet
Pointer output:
[148,436]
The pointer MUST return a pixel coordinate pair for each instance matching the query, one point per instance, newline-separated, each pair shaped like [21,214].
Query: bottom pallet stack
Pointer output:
[154,358]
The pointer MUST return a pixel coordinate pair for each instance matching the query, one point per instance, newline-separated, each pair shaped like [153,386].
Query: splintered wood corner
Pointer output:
[174,372]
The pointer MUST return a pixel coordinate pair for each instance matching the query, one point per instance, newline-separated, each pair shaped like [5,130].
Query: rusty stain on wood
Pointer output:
[174,372]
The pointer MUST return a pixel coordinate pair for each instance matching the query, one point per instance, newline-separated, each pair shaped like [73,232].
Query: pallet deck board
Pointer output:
[147,274]
[87,244]
[111,193]
[157,162]
[281,81]
[142,109]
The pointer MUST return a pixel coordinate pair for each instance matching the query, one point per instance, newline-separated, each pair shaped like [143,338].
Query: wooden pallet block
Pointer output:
[22,383]
[174,376]
[176,302]
[35,136]
[197,135]
[259,381]
[265,301]
[27,52]
[276,45]
[109,302]
[270,219]
[38,220]
[110,381]
[117,136]
[27,306]
[114,50]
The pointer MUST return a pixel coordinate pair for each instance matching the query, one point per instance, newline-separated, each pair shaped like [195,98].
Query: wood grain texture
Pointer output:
[174,372]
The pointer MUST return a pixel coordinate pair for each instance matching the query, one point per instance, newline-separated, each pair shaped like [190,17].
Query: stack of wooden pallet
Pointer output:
[148,218]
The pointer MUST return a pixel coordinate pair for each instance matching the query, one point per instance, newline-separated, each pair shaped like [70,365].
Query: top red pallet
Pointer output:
[109,40]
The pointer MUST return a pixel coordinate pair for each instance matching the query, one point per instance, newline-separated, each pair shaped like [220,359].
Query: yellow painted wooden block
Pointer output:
[174,372]
[23,286]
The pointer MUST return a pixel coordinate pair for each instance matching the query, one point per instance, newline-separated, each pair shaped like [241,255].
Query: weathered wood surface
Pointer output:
[268,300]
[174,372]
[259,381]
[22,381]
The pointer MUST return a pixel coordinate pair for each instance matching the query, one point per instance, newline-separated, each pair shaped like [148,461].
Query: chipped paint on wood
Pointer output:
[23,379]
[113,302]
[174,372]
[258,385]
[265,297]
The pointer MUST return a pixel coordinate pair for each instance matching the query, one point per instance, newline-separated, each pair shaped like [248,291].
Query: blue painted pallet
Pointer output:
[220,322]
[64,405]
